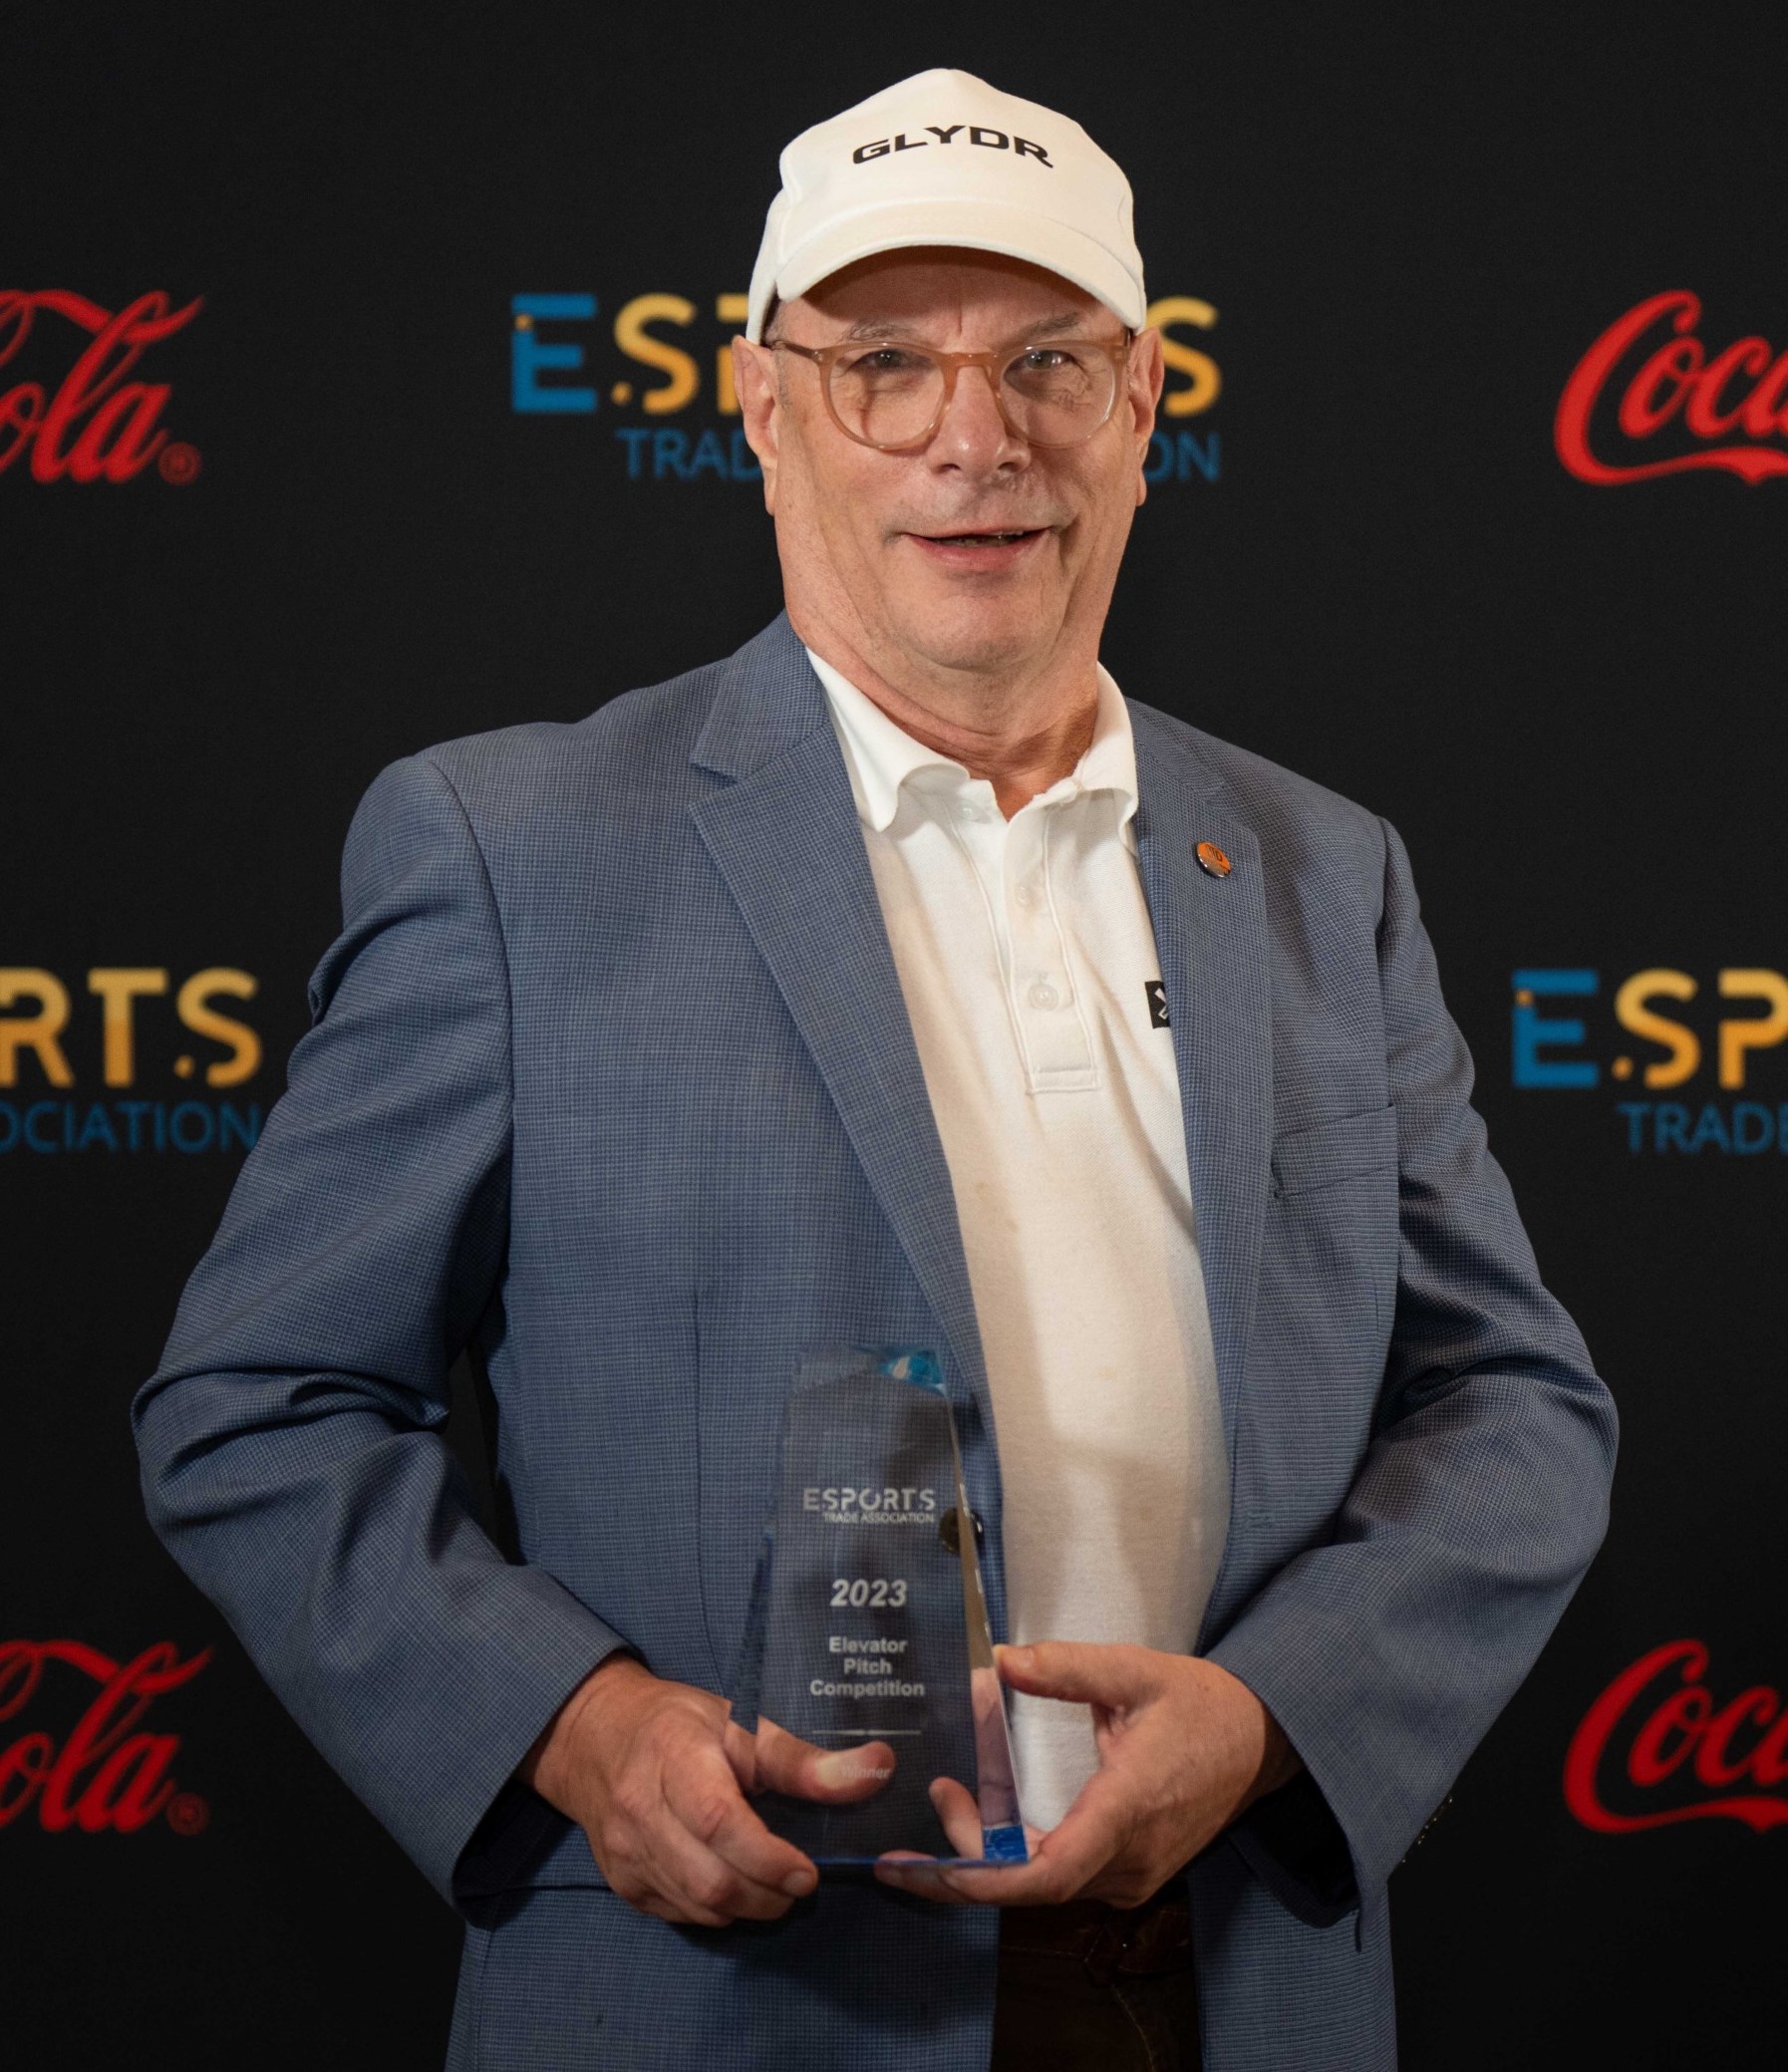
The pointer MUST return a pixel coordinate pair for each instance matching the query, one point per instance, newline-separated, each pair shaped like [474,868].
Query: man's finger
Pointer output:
[740,1751]
[1089,1834]
[706,1887]
[1062,1862]
[787,1764]
[1083,1672]
[676,1878]
[960,1815]
[656,1859]
[1035,1884]
[704,1800]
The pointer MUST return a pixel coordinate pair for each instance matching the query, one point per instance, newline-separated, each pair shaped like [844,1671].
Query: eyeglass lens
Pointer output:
[1052,394]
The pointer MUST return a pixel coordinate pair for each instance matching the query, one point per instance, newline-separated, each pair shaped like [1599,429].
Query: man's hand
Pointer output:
[1184,1748]
[656,1778]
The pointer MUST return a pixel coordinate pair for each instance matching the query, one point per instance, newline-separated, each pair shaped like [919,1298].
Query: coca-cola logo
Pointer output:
[105,1773]
[1735,402]
[1656,1732]
[93,426]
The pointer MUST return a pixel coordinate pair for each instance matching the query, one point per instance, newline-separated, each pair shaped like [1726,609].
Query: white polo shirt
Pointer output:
[1028,967]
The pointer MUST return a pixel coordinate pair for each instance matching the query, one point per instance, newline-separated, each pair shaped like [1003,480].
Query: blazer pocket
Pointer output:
[1346,1147]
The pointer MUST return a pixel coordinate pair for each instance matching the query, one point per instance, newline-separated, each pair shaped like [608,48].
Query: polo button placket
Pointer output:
[1058,1046]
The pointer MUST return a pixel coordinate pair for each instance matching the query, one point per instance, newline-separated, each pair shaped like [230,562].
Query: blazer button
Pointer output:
[949,1530]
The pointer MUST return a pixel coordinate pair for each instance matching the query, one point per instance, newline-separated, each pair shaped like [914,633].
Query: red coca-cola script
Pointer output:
[106,1774]
[1657,1730]
[95,426]
[1735,402]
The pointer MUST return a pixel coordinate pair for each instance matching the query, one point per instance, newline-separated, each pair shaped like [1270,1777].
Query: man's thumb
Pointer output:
[785,1763]
[1084,1673]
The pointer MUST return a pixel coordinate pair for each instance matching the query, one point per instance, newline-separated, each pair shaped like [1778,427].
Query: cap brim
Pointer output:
[981,226]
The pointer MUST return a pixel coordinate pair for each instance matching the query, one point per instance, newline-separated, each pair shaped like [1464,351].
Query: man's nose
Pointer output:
[972,435]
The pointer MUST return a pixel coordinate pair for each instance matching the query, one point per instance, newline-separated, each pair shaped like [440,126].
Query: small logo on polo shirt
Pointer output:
[1157,1004]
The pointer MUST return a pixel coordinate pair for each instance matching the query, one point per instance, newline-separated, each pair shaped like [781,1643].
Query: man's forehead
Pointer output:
[897,292]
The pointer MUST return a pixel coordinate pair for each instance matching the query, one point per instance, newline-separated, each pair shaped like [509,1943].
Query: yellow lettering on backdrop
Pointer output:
[117,985]
[639,343]
[1632,1013]
[1755,1031]
[244,1045]
[1204,382]
[37,1031]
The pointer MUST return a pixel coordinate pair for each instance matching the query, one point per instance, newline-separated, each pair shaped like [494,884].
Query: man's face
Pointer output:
[893,552]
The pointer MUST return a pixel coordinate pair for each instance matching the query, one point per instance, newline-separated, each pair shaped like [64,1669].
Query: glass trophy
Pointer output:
[867,1627]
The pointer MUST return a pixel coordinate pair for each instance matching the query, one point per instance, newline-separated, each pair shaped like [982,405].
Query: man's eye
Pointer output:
[1047,358]
[885,359]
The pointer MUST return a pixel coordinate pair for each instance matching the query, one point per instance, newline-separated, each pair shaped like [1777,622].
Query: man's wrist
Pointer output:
[1274,1761]
[547,1767]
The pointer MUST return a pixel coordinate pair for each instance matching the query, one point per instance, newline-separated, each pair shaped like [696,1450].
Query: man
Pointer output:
[896,979]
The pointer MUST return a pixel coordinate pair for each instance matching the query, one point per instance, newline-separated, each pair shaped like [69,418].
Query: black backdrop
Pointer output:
[1365,557]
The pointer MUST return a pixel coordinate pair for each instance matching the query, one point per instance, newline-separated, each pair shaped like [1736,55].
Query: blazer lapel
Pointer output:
[786,839]
[1211,935]
[785,836]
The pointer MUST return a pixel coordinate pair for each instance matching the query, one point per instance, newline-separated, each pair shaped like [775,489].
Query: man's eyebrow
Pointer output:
[897,327]
[1051,327]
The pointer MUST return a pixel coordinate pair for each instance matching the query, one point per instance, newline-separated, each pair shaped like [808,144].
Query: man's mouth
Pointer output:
[991,549]
[978,539]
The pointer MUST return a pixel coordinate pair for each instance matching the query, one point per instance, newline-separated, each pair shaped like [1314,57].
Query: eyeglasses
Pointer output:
[887,393]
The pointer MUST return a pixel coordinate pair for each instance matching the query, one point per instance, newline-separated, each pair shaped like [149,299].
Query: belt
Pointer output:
[1111,1941]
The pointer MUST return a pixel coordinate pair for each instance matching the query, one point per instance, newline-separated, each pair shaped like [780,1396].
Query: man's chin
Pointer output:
[978,641]
[978,629]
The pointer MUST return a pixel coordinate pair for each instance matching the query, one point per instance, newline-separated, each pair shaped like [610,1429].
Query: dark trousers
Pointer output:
[1086,1987]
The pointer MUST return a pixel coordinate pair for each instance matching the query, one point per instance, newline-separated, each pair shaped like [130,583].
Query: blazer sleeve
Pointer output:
[290,1441]
[1387,1652]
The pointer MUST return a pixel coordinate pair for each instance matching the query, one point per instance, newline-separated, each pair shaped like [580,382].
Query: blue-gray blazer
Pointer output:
[609,1078]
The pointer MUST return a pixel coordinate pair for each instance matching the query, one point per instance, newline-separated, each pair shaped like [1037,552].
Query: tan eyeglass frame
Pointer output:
[952,364]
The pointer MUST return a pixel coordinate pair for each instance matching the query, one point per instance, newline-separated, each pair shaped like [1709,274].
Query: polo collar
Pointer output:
[880,756]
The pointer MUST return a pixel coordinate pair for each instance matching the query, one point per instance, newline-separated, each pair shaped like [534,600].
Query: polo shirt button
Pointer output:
[1025,897]
[1042,994]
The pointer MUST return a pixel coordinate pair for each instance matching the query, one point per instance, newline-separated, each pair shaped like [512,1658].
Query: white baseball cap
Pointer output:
[943,159]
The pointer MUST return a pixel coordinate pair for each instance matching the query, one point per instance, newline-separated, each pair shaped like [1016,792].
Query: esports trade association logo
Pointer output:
[89,423]
[35,1014]
[1729,410]
[844,1505]
[690,409]
[1546,1052]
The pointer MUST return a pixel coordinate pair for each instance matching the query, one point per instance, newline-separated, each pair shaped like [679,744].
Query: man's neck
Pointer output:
[1022,736]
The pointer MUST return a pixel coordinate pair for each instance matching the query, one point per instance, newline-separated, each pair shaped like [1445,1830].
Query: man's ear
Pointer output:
[1145,371]
[760,403]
